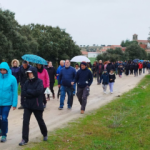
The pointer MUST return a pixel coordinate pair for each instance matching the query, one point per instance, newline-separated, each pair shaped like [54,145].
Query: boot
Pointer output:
[82,111]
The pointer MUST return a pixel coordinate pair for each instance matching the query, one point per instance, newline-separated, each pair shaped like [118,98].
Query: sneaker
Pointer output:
[82,111]
[98,84]
[0,133]
[22,143]
[3,139]
[44,105]
[111,92]
[60,108]
[21,107]
[45,138]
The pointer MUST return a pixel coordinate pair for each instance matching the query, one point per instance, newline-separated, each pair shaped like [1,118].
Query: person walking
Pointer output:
[23,77]
[65,83]
[15,69]
[33,103]
[136,66]
[148,67]
[94,69]
[131,68]
[83,79]
[144,66]
[105,79]
[110,66]
[140,68]
[74,86]
[112,78]
[8,97]
[116,67]
[99,69]
[43,75]
[120,68]
[52,73]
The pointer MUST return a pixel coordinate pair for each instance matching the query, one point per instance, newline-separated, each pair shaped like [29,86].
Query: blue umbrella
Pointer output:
[34,59]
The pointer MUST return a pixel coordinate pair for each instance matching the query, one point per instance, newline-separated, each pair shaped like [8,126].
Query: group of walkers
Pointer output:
[71,81]
[33,83]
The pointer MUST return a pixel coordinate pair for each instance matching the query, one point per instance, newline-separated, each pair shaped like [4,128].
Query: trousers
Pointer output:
[111,86]
[82,94]
[104,87]
[26,120]
[4,112]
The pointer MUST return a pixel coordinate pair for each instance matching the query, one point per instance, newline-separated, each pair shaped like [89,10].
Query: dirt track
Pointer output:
[55,118]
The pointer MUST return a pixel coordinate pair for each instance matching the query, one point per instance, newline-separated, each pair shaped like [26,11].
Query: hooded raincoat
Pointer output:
[8,87]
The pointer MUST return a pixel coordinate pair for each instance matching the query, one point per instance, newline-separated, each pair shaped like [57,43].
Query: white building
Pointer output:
[93,54]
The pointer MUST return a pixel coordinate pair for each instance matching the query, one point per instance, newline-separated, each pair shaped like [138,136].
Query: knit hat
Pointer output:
[83,63]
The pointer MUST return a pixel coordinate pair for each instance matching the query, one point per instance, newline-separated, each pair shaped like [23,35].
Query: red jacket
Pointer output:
[140,65]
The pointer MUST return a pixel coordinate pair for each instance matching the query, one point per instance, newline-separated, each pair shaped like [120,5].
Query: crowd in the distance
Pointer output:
[34,81]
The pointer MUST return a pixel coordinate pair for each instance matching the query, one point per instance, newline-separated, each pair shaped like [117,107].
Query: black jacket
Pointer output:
[22,75]
[144,65]
[52,73]
[110,67]
[102,68]
[33,92]
[113,77]
[136,67]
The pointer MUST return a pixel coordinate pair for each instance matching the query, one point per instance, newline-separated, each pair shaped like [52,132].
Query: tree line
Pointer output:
[133,51]
[51,43]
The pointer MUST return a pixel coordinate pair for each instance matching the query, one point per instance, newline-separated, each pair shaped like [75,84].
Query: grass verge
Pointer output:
[123,124]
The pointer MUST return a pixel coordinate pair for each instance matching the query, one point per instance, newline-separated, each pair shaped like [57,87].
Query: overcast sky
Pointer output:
[88,21]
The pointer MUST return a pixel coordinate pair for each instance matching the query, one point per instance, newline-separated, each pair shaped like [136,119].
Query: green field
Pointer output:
[92,60]
[123,124]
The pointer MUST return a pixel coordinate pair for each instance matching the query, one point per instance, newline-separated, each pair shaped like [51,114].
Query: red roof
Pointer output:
[84,52]
[143,41]
[143,46]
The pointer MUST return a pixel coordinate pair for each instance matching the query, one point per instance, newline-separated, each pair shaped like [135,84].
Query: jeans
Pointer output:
[4,112]
[140,71]
[99,77]
[74,86]
[116,70]
[82,94]
[26,119]
[111,85]
[63,91]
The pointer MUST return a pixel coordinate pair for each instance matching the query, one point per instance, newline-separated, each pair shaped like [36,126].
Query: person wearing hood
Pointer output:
[105,80]
[33,103]
[52,73]
[84,79]
[99,69]
[112,78]
[65,83]
[15,69]
[8,97]
[110,66]
[23,77]
[43,75]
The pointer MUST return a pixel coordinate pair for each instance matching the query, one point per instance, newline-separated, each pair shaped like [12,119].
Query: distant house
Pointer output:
[104,49]
[145,44]
[93,54]
[85,53]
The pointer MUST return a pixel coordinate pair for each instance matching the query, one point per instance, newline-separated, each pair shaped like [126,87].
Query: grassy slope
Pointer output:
[123,124]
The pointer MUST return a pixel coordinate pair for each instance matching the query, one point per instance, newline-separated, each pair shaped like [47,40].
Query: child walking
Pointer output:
[105,78]
[112,78]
